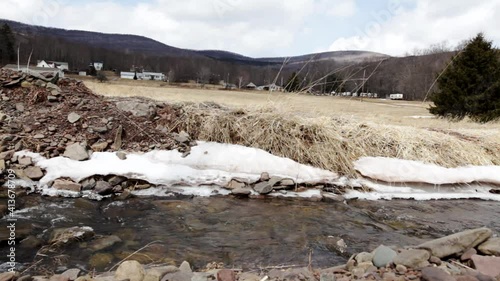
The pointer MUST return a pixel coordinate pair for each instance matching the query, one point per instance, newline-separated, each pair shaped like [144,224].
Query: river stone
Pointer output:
[25,161]
[131,270]
[287,182]
[121,155]
[7,155]
[73,117]
[435,274]
[157,273]
[264,177]
[2,165]
[185,267]
[487,265]
[67,185]
[7,276]
[490,247]
[117,144]
[383,255]
[226,275]
[104,243]
[241,191]
[413,258]
[76,152]
[67,235]
[100,146]
[100,261]
[103,188]
[468,254]
[71,274]
[235,184]
[34,173]
[364,257]
[266,186]
[456,243]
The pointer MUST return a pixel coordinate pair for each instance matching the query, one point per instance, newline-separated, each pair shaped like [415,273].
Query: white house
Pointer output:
[53,64]
[97,65]
[143,75]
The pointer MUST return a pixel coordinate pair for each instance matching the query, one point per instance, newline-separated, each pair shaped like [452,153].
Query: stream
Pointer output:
[241,233]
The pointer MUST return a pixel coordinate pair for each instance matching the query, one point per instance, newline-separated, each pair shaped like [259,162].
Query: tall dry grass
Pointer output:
[334,143]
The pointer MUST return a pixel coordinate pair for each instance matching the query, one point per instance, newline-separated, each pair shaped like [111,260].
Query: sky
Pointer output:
[267,28]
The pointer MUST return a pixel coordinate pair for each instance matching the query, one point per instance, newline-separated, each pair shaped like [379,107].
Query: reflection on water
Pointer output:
[244,233]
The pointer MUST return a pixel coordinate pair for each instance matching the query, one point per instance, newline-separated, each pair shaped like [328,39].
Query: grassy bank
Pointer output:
[325,132]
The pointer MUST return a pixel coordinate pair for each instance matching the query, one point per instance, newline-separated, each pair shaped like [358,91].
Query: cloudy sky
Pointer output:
[261,28]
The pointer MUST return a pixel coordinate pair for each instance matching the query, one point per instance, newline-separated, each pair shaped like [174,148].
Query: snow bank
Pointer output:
[208,163]
[397,171]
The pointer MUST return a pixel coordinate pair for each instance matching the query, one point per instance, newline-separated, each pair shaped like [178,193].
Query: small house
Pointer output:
[251,86]
[97,65]
[53,64]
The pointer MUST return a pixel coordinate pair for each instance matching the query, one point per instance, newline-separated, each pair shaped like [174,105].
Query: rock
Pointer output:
[73,117]
[76,152]
[25,161]
[383,255]
[157,273]
[51,98]
[364,257]
[124,195]
[71,274]
[33,172]
[435,274]
[88,184]
[226,275]
[122,155]
[241,191]
[324,276]
[117,144]
[7,276]
[26,84]
[137,108]
[131,270]
[401,269]
[52,86]
[358,272]
[263,187]
[100,130]
[235,184]
[182,137]
[39,136]
[490,247]
[104,243]
[247,276]
[25,278]
[456,243]
[178,276]
[31,242]
[185,267]
[412,258]
[466,278]
[20,107]
[116,180]
[487,265]
[103,188]
[67,185]
[100,146]
[71,234]
[2,165]
[264,177]
[468,254]
[435,260]
[287,182]
[100,261]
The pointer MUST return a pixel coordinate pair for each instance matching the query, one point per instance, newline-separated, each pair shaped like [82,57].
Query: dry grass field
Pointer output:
[326,132]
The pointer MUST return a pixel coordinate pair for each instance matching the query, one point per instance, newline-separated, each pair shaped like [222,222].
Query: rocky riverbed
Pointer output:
[468,255]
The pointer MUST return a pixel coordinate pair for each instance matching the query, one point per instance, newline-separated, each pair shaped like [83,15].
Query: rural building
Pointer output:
[143,75]
[53,64]
[271,87]
[396,96]
[251,86]
[97,65]
[34,69]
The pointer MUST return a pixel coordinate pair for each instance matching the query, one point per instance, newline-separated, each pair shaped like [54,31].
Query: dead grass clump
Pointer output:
[333,143]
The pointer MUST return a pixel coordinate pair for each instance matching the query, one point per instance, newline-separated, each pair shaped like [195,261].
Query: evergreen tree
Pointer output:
[471,85]
[293,83]
[7,43]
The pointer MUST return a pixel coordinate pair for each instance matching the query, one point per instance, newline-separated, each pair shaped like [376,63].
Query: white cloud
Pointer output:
[428,23]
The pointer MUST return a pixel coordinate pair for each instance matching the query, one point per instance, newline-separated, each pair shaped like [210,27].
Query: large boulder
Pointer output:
[456,243]
[76,152]
[71,234]
[383,255]
[490,247]
[137,108]
[487,265]
[413,258]
[131,270]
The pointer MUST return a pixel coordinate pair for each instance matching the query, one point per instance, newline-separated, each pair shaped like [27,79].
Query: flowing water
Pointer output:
[240,233]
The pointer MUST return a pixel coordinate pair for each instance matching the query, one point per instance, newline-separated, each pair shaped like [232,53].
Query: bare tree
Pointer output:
[203,75]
